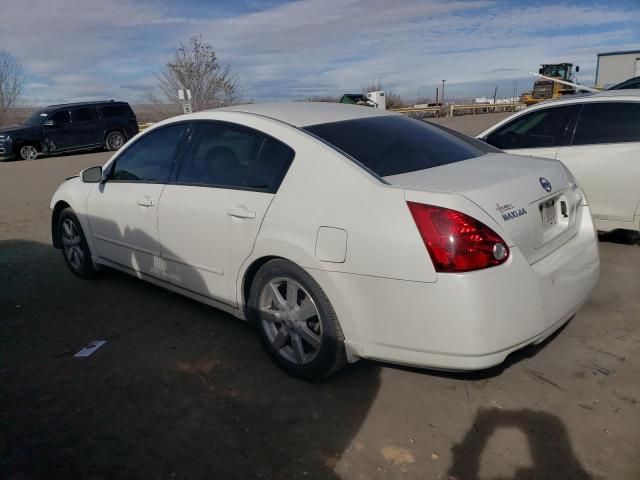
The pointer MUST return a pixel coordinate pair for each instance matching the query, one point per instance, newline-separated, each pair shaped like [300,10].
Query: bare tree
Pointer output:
[393,99]
[195,66]
[11,82]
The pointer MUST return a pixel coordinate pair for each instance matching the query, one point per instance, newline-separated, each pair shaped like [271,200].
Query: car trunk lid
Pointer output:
[532,199]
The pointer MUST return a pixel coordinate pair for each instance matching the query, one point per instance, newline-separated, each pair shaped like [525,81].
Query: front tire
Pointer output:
[296,322]
[28,152]
[114,141]
[75,249]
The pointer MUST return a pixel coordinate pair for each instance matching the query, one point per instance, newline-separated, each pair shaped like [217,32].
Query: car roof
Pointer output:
[86,104]
[303,114]
[629,94]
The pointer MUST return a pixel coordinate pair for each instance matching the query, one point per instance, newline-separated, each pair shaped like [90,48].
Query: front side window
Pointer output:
[61,117]
[538,129]
[391,145]
[228,155]
[151,158]
[609,122]
[84,114]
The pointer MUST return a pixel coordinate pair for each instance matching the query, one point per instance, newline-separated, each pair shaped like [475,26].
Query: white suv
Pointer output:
[597,137]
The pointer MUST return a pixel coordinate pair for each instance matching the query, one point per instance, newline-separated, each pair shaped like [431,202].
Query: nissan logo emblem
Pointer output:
[546,184]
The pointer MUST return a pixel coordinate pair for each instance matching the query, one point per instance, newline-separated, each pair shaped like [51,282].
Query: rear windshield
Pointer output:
[390,145]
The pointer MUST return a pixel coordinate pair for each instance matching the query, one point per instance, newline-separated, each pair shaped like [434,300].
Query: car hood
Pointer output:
[15,128]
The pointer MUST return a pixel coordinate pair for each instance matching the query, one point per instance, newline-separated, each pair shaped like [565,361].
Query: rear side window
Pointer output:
[115,110]
[150,159]
[84,114]
[391,145]
[538,129]
[228,155]
[608,123]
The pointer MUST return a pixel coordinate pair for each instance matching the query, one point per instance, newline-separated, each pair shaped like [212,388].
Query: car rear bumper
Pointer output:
[466,321]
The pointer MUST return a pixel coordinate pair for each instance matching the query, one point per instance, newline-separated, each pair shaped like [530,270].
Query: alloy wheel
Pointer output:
[115,141]
[71,243]
[28,152]
[290,320]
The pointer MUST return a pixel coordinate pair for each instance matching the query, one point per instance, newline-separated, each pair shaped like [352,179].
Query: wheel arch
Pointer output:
[55,216]
[33,142]
[250,274]
[115,129]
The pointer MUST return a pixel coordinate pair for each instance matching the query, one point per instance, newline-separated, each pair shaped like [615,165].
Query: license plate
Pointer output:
[548,212]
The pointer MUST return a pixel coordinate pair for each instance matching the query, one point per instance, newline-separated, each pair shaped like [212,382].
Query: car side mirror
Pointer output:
[49,123]
[91,175]
[577,68]
[540,71]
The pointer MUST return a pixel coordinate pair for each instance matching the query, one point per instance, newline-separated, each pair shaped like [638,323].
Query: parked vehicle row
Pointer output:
[69,127]
[342,232]
[597,137]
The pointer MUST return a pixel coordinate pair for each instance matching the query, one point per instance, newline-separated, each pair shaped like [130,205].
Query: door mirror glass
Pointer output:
[91,175]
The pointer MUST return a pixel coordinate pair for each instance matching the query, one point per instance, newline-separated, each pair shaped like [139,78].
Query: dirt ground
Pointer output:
[183,391]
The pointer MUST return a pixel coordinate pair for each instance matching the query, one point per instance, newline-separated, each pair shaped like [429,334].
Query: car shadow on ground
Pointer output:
[178,390]
[625,237]
[181,390]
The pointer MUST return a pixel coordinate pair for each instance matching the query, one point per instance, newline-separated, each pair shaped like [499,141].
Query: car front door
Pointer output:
[604,156]
[209,217]
[123,210]
[86,126]
[538,133]
[57,131]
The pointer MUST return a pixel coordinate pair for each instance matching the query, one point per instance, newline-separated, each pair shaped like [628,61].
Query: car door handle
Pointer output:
[146,202]
[241,212]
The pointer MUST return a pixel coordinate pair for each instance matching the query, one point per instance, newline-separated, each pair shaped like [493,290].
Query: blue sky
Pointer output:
[283,50]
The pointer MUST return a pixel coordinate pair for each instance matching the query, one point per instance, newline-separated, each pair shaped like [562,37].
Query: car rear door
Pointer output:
[86,126]
[210,214]
[604,156]
[123,210]
[539,133]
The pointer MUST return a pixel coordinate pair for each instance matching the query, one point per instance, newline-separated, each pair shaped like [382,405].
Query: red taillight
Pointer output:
[455,241]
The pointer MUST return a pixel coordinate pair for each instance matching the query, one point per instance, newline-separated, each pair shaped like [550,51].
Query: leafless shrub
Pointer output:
[320,98]
[11,82]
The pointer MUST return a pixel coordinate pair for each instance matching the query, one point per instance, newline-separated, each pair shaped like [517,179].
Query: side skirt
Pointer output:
[236,312]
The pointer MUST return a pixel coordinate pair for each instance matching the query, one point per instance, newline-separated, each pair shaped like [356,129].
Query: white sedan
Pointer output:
[342,232]
[597,137]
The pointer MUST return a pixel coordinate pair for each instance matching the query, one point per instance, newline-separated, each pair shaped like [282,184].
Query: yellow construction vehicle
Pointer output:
[556,80]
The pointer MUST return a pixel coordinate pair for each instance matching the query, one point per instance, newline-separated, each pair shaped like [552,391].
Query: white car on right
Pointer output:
[597,137]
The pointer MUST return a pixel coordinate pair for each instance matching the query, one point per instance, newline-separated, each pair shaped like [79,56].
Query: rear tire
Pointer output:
[75,249]
[295,321]
[114,141]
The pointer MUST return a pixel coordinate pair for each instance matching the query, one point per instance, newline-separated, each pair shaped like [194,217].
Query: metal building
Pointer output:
[616,67]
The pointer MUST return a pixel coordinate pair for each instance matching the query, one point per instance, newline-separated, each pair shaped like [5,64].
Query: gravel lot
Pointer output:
[181,390]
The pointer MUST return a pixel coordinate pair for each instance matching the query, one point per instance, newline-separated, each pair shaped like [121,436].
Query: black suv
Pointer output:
[72,126]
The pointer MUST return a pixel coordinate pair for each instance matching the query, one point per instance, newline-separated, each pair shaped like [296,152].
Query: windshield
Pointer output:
[391,145]
[555,71]
[36,118]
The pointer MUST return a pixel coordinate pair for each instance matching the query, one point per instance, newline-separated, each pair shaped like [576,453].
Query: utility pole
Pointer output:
[443,91]
[437,95]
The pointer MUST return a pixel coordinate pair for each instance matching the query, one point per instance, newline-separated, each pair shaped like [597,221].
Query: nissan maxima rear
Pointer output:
[341,232]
